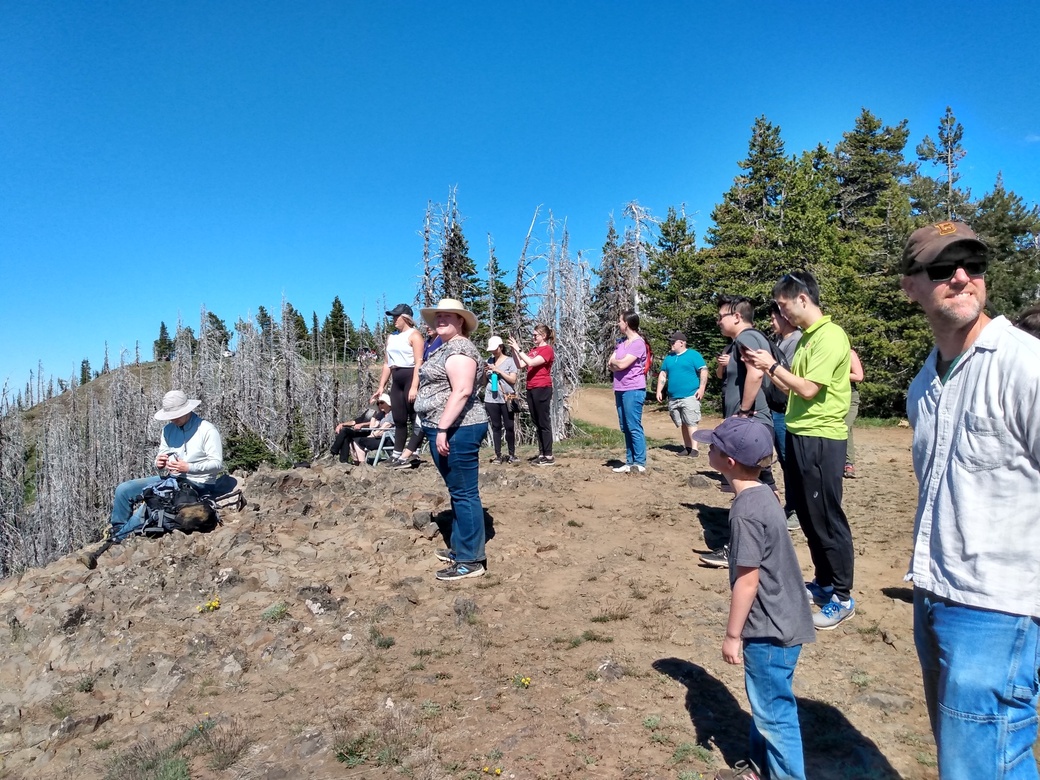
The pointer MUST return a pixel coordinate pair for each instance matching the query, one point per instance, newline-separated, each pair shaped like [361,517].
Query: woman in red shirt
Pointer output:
[538,363]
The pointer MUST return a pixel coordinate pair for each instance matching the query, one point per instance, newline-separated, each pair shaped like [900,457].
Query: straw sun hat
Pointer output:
[453,306]
[176,404]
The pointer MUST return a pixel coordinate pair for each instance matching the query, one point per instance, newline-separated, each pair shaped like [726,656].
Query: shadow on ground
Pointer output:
[834,749]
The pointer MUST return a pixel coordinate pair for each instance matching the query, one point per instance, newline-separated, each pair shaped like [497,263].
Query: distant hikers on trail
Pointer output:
[455,423]
[976,549]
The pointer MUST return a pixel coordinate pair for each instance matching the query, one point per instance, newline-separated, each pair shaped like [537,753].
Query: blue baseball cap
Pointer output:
[746,440]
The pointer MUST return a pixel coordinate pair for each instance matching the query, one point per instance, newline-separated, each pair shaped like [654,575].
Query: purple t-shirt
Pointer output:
[633,377]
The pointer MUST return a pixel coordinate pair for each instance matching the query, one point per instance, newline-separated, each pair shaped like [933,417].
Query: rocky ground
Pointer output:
[307,637]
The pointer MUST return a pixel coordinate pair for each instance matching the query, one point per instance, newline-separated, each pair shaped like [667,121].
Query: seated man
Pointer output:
[189,446]
[366,422]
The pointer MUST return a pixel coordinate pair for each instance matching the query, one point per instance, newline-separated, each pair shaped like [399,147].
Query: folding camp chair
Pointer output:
[385,448]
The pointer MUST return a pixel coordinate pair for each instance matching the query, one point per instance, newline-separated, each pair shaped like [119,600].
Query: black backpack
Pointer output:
[776,398]
[175,505]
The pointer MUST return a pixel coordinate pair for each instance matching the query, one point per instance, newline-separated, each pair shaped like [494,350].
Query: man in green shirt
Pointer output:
[819,393]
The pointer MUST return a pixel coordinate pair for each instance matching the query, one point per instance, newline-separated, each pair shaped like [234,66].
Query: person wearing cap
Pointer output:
[769,617]
[976,551]
[190,447]
[685,375]
[498,402]
[456,422]
[361,426]
[400,380]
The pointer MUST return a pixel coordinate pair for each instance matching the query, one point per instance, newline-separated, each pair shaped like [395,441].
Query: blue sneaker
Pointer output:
[834,612]
[818,594]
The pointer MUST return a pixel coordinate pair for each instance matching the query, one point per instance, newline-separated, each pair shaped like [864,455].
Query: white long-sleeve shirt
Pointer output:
[976,453]
[198,442]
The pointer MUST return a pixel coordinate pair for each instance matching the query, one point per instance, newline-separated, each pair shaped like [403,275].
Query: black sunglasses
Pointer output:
[943,272]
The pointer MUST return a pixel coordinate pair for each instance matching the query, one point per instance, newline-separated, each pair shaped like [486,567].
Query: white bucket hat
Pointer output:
[176,404]
[455,307]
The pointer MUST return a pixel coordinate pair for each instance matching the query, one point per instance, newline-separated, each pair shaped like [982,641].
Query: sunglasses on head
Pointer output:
[943,272]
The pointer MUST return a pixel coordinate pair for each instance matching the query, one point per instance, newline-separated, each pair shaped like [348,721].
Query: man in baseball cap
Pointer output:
[684,375]
[976,453]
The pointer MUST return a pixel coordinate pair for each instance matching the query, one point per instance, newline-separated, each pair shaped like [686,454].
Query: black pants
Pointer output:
[501,417]
[539,401]
[341,446]
[814,487]
[402,411]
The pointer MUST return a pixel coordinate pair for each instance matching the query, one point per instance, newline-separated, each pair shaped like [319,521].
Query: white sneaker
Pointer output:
[623,469]
[639,469]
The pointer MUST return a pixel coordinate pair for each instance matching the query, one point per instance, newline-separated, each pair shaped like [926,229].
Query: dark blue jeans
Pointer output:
[460,472]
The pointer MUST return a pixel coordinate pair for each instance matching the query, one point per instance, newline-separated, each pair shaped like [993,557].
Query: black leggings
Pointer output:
[539,401]
[341,446]
[502,417]
[402,411]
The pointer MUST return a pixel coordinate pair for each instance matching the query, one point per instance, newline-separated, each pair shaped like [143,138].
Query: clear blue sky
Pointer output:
[156,158]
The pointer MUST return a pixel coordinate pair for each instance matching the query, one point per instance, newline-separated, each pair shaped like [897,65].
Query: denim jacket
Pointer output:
[976,453]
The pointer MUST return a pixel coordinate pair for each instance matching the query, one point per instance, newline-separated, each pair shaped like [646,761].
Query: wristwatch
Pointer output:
[774,367]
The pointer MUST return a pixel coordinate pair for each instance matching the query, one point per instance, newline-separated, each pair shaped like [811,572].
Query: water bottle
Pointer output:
[494,384]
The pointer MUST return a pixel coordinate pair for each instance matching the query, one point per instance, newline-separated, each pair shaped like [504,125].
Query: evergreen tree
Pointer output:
[162,346]
[1011,230]
[500,308]
[216,332]
[668,282]
[946,153]
[610,297]
[334,328]
[84,371]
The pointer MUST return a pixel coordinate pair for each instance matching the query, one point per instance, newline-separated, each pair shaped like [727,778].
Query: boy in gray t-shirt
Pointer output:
[769,615]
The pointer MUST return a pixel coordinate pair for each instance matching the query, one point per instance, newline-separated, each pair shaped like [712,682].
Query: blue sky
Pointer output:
[156,158]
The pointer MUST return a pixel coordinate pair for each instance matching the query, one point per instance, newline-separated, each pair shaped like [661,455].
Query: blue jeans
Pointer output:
[776,739]
[124,523]
[780,436]
[630,416]
[460,472]
[980,685]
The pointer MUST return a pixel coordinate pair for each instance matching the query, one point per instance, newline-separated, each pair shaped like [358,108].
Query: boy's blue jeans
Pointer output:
[630,416]
[981,688]
[776,739]
[460,472]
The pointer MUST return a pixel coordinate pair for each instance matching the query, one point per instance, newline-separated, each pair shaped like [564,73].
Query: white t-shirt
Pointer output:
[399,349]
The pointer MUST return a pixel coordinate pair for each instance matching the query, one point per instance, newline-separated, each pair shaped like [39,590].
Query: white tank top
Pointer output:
[399,349]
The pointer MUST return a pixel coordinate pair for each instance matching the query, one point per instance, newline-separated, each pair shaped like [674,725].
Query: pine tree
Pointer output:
[668,282]
[162,346]
[84,372]
[1011,230]
[334,328]
[610,297]
[946,154]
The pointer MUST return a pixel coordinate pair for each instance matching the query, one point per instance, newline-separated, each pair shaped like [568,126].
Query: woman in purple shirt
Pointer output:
[628,365]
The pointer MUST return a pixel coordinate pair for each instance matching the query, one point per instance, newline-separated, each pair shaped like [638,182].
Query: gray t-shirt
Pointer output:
[507,366]
[759,539]
[736,373]
[789,344]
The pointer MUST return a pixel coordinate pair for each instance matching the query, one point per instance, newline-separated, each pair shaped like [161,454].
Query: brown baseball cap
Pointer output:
[926,244]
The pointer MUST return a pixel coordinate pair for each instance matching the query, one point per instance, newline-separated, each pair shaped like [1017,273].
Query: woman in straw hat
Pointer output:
[455,422]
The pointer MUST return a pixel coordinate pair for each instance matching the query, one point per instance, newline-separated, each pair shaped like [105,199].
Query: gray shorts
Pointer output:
[684,411]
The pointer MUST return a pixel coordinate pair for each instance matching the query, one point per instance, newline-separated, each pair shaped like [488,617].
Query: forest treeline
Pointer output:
[275,383]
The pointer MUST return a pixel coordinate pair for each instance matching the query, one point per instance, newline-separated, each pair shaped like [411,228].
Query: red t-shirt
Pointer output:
[541,376]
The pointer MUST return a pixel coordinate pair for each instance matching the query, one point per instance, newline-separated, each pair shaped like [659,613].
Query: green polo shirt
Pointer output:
[823,357]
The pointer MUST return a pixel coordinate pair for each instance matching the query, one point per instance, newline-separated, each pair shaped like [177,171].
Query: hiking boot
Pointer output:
[818,594]
[850,471]
[461,571]
[546,461]
[834,612]
[448,556]
[742,770]
[622,469]
[717,559]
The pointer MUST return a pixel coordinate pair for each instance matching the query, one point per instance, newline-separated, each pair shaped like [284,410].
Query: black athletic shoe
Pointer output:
[717,559]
